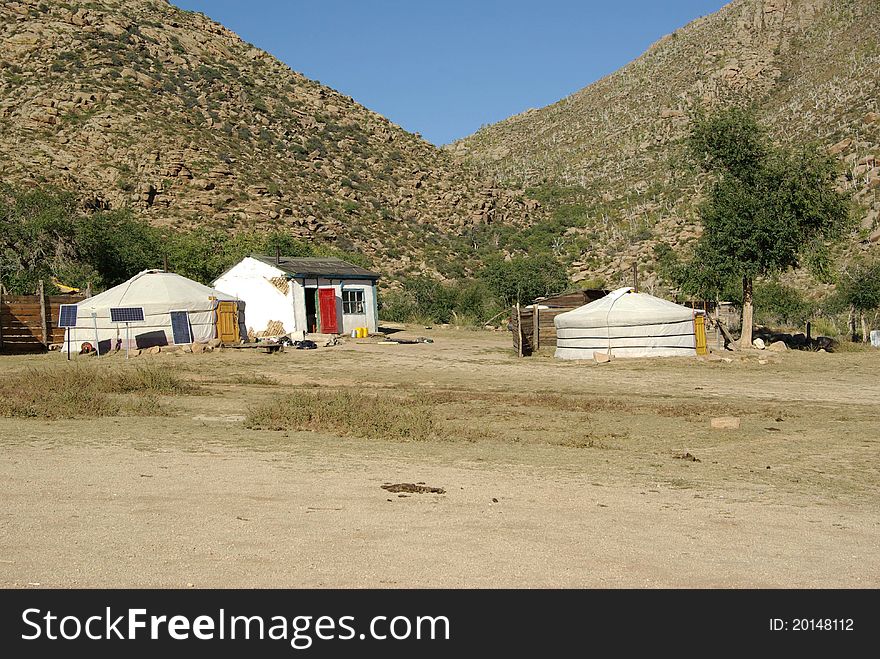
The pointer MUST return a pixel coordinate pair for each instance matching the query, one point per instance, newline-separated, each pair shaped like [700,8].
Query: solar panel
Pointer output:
[67,315]
[180,327]
[126,314]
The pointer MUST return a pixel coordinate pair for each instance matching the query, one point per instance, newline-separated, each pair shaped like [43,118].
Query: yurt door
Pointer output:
[700,334]
[227,322]
[327,303]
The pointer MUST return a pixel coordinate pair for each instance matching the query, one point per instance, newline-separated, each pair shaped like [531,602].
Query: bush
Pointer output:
[524,278]
[778,304]
[425,300]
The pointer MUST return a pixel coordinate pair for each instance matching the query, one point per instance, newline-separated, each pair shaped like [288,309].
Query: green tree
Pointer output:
[524,278]
[117,245]
[37,237]
[768,208]
[859,289]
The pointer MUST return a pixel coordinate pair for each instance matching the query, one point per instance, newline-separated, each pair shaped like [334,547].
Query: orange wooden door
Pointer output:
[700,334]
[327,304]
[227,322]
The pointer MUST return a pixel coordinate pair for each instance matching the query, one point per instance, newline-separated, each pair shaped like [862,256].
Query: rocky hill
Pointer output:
[139,103]
[614,149]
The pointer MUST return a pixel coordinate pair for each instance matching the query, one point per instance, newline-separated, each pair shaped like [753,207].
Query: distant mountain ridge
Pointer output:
[810,67]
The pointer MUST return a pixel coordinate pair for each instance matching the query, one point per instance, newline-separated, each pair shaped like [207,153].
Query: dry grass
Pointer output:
[347,413]
[256,379]
[80,391]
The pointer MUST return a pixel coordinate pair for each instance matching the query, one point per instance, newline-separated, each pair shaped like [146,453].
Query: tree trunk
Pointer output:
[865,337]
[745,339]
[852,325]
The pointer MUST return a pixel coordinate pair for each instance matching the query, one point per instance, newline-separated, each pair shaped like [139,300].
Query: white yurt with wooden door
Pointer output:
[176,310]
[629,324]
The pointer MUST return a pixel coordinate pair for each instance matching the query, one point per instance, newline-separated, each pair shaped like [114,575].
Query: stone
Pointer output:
[198,348]
[759,344]
[155,350]
[601,357]
[215,343]
[778,346]
[725,423]
[841,146]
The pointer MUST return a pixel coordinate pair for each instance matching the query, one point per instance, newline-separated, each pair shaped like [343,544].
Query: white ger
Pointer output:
[629,324]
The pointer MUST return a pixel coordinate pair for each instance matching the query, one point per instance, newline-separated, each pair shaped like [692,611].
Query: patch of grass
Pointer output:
[347,413]
[87,391]
[254,379]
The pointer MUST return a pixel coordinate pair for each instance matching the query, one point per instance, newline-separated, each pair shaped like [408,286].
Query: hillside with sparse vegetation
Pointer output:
[137,104]
[610,162]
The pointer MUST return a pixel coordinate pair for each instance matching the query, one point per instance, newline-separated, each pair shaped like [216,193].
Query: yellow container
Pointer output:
[362,332]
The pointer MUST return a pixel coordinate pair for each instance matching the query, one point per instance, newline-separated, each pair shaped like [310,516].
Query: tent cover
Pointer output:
[159,293]
[626,324]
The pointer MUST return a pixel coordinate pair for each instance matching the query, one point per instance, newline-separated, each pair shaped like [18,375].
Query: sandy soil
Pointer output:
[566,474]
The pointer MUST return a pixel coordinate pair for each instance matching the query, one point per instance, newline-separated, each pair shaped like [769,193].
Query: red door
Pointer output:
[327,303]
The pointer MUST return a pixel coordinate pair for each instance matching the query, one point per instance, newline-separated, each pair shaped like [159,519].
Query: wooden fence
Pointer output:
[540,332]
[28,323]
[537,332]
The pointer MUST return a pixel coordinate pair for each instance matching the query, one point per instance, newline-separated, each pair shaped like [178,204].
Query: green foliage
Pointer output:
[426,300]
[116,245]
[36,237]
[767,208]
[777,304]
[859,287]
[524,278]
[45,233]
[669,266]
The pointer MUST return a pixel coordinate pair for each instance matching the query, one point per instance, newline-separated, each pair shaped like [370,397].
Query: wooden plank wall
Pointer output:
[546,329]
[28,323]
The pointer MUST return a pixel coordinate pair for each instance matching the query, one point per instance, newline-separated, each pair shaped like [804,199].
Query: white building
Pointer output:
[299,296]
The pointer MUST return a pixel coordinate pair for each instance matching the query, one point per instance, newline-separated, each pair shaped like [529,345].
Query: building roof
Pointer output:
[321,266]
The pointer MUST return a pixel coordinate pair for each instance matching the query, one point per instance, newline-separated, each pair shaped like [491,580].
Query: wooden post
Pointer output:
[519,332]
[44,317]
[536,325]
[809,331]
[2,291]
[89,289]
[636,277]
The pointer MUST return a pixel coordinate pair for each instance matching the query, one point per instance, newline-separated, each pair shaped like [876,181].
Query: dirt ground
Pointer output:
[558,474]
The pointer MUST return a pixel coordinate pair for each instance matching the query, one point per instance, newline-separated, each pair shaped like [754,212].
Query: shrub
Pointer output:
[778,304]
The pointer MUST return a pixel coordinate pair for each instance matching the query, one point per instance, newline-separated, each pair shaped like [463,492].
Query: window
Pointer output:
[353,301]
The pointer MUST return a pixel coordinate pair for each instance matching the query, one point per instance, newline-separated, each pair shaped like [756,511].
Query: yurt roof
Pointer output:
[625,307]
[155,287]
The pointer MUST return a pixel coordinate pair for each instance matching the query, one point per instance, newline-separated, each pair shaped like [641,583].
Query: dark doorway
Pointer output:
[311,310]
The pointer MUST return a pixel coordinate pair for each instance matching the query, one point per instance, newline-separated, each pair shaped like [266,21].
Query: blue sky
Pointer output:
[443,68]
